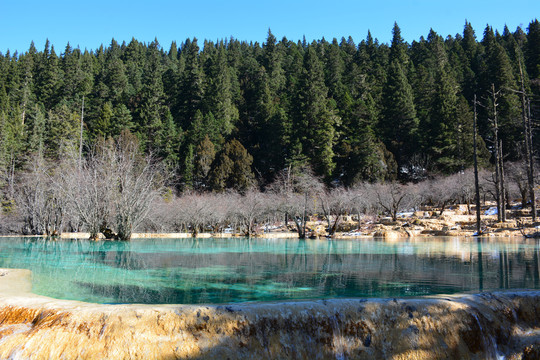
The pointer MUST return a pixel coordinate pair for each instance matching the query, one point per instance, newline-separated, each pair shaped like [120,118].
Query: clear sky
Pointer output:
[88,24]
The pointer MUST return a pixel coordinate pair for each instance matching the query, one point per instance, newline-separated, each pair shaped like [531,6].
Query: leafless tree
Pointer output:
[364,200]
[394,197]
[113,188]
[90,187]
[499,166]
[298,191]
[162,215]
[194,210]
[222,205]
[31,196]
[444,190]
[249,210]
[467,190]
[336,203]
[518,180]
[138,183]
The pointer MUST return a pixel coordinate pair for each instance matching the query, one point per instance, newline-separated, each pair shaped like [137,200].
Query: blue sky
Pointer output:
[88,24]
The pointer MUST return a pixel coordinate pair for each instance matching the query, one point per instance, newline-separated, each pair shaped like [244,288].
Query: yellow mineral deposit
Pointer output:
[485,326]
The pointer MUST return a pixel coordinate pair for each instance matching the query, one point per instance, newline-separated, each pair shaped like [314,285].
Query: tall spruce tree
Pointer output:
[533,49]
[399,124]
[48,79]
[219,97]
[192,90]
[498,71]
[317,119]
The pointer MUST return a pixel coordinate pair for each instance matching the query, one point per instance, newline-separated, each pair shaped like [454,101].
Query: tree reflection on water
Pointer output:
[236,269]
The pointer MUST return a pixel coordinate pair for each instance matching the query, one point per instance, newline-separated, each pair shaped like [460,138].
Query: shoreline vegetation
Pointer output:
[456,221]
[116,191]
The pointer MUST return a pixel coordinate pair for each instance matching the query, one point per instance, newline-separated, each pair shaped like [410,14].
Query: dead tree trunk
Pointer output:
[530,159]
[527,132]
[476,182]
[498,189]
[81,133]
[501,180]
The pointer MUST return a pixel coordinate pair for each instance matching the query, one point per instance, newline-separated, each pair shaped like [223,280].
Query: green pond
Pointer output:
[206,271]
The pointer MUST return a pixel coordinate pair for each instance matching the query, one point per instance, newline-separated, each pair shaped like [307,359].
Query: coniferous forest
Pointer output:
[230,115]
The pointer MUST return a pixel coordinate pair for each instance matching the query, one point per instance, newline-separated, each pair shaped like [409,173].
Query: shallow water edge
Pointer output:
[489,325]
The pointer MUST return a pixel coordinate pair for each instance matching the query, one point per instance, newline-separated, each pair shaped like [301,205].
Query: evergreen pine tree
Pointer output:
[315,126]
[232,168]
[205,154]
[218,97]
[192,91]
[399,124]
[48,77]
[533,49]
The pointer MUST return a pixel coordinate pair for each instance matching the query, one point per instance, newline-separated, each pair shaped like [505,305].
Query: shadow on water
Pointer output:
[129,294]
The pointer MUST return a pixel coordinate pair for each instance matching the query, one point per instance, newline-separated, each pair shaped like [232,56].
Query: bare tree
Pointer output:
[162,216]
[222,207]
[527,133]
[250,208]
[194,210]
[475,169]
[31,196]
[467,188]
[298,191]
[443,191]
[139,182]
[518,176]
[39,199]
[394,197]
[335,204]
[90,188]
[114,187]
[499,170]
[364,199]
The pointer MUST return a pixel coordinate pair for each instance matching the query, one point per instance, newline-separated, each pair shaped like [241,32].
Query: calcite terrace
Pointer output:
[483,326]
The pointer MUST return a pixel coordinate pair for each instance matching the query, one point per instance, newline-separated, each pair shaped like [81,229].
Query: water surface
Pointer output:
[195,271]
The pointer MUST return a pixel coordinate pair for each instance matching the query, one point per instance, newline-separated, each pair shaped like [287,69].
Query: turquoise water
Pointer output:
[195,271]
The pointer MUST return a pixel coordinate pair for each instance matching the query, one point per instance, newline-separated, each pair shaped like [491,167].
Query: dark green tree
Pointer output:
[62,129]
[232,168]
[192,90]
[48,77]
[204,156]
[399,124]
[499,72]
[533,49]
[103,127]
[219,97]
[361,156]
[316,119]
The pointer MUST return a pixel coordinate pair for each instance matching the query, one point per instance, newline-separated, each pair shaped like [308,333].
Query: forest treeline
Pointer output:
[233,115]
[230,113]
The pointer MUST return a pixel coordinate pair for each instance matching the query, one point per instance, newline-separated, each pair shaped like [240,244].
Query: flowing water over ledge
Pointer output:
[495,325]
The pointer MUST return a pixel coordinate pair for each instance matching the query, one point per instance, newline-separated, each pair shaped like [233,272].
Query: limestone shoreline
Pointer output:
[457,221]
[483,326]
